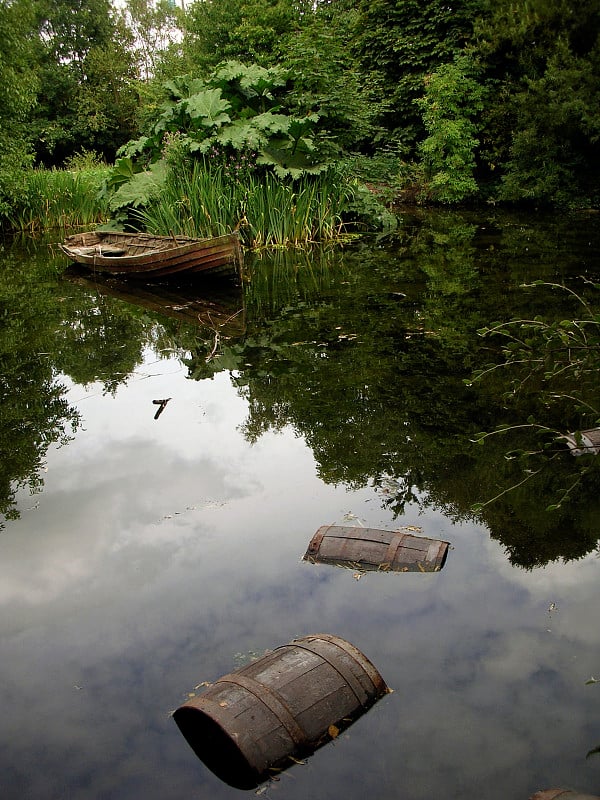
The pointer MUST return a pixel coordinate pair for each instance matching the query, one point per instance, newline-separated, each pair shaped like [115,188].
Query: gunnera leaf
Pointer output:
[142,188]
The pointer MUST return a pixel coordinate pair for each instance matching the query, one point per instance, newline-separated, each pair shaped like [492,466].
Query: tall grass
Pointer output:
[37,200]
[268,211]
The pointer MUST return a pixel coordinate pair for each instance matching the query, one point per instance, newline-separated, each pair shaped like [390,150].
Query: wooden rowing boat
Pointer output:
[143,255]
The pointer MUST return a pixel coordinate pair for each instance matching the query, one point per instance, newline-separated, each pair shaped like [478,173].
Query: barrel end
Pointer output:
[215,748]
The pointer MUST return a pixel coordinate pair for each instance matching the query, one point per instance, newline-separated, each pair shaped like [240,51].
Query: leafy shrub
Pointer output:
[452,99]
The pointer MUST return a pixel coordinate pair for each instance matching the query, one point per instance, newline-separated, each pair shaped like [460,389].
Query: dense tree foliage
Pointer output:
[399,43]
[86,78]
[542,124]
[247,30]
[18,82]
[475,99]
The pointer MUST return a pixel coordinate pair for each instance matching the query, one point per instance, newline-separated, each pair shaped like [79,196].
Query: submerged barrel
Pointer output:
[374,549]
[283,706]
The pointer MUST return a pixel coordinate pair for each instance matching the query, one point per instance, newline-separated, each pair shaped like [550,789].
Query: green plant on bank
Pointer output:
[236,109]
[223,154]
[203,200]
[36,200]
[550,368]
[452,100]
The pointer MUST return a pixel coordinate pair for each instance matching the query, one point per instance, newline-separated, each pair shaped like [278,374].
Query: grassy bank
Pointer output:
[268,211]
[38,200]
[199,200]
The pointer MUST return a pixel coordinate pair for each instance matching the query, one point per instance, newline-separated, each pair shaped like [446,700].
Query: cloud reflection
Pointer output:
[162,554]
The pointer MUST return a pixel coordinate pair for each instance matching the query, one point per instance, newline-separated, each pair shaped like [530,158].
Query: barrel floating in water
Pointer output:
[373,549]
[283,706]
[562,794]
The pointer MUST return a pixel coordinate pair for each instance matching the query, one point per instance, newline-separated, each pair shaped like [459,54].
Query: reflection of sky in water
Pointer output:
[162,550]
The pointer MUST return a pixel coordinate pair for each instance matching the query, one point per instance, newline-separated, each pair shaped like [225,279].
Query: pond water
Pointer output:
[141,557]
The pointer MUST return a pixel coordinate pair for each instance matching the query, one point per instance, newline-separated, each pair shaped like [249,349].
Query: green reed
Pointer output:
[269,212]
[42,199]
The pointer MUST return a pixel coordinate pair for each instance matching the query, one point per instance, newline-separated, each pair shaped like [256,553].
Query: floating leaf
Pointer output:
[333,731]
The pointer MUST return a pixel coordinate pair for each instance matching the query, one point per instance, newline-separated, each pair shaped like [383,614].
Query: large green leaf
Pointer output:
[243,82]
[209,108]
[300,127]
[272,123]
[288,164]
[183,86]
[121,173]
[241,134]
[133,147]
[254,133]
[140,189]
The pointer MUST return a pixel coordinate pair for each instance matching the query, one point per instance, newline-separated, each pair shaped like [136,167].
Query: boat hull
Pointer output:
[145,256]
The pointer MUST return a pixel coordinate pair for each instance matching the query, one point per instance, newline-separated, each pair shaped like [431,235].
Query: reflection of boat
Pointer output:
[142,255]
[215,306]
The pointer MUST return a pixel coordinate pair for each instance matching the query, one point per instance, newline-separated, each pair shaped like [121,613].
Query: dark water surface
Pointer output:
[141,557]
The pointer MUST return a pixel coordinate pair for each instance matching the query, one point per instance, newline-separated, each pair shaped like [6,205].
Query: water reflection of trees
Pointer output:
[49,329]
[372,374]
[33,411]
[92,331]
[363,351]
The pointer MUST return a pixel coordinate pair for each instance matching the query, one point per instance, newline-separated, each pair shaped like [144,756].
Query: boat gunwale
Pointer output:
[178,254]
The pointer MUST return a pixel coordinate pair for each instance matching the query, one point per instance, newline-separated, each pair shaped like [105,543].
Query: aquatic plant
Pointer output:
[547,370]
[204,200]
[41,199]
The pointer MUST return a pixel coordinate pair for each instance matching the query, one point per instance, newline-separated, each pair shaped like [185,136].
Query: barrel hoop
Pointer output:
[273,701]
[359,657]
[347,675]
[315,543]
[394,546]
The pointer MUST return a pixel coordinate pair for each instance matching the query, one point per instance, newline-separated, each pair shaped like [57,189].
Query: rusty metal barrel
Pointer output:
[281,707]
[374,549]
